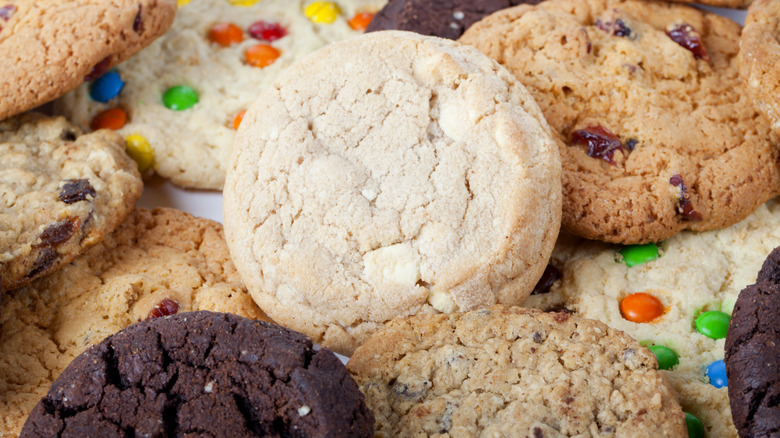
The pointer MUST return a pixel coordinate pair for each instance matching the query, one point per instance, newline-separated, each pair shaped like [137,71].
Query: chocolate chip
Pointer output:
[538,337]
[549,277]
[138,23]
[75,190]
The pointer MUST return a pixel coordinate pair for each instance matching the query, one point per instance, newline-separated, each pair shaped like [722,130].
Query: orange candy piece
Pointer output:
[361,20]
[239,118]
[641,307]
[112,118]
[261,55]
[226,34]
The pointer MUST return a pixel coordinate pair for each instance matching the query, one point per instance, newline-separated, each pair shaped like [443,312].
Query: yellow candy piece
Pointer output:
[322,12]
[140,150]
[242,2]
[183,2]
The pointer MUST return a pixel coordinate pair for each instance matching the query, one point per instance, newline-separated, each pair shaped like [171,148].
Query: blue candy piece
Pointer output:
[717,374]
[106,87]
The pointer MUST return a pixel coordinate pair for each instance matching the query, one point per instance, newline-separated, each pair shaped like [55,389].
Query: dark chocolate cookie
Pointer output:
[446,18]
[753,355]
[204,374]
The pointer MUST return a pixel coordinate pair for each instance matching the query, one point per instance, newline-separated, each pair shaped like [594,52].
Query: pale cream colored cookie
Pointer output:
[658,133]
[156,263]
[50,47]
[759,57]
[415,176]
[191,147]
[509,371]
[61,191]
[695,272]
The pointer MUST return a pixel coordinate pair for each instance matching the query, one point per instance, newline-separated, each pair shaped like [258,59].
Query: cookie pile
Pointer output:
[610,165]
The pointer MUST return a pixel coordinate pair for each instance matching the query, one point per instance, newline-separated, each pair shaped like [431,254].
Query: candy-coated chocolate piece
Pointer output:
[666,357]
[242,2]
[713,324]
[112,118]
[180,97]
[261,55]
[361,20]
[716,371]
[637,254]
[237,120]
[140,150]
[106,87]
[695,428]
[322,12]
[183,2]
[641,307]
[265,31]
[226,34]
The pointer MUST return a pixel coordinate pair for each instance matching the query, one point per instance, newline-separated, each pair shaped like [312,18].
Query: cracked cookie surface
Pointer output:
[192,147]
[427,182]
[446,19]
[695,272]
[509,371]
[153,259]
[203,373]
[760,55]
[49,47]
[657,133]
[753,354]
[62,191]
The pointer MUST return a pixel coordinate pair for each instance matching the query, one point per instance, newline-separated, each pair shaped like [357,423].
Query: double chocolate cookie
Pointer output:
[446,19]
[753,354]
[204,374]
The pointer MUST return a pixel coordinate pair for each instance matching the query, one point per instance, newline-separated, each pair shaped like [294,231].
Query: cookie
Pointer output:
[509,371]
[446,19]
[753,355]
[759,56]
[62,192]
[688,274]
[156,263]
[735,4]
[657,133]
[429,182]
[189,138]
[205,374]
[50,48]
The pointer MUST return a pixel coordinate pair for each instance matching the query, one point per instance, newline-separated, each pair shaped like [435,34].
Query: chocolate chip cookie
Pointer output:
[753,354]
[203,373]
[62,191]
[657,133]
[50,47]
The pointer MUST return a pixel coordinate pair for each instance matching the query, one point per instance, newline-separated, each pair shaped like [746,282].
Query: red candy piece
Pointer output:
[112,118]
[361,20]
[686,36]
[265,31]
[261,55]
[166,307]
[226,34]
[238,119]
[601,142]
[641,307]
[684,204]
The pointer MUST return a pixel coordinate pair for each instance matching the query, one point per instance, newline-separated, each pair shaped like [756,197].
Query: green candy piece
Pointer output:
[695,428]
[666,357]
[637,254]
[713,324]
[180,97]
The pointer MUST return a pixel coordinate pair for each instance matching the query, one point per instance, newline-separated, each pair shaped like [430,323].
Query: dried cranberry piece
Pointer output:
[265,31]
[7,11]
[98,70]
[684,204]
[58,233]
[686,36]
[166,307]
[601,142]
[45,259]
[75,190]
[138,23]
[549,277]
[617,27]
